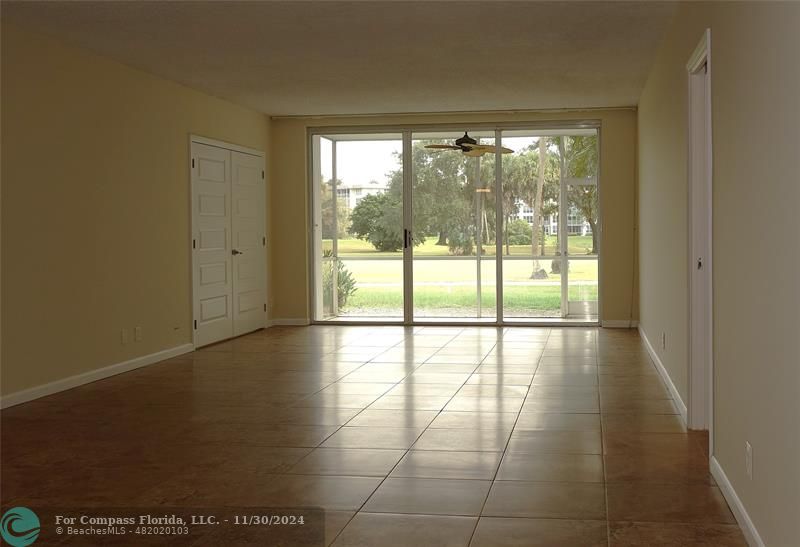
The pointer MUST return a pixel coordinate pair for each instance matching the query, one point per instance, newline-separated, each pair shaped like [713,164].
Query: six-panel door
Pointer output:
[249,258]
[229,262]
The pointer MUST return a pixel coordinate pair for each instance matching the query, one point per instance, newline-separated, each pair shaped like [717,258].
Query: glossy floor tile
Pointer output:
[527,532]
[569,500]
[429,496]
[433,464]
[418,436]
[393,530]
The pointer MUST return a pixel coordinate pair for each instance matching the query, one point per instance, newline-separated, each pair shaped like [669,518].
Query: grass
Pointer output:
[462,301]
[447,287]
[578,245]
[464,270]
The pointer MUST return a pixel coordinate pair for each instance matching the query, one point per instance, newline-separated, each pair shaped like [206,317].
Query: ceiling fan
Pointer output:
[470,147]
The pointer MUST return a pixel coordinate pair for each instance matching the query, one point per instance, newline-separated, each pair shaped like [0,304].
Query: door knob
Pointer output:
[236,252]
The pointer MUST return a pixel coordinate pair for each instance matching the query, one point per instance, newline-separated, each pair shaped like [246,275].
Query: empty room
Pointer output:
[399,273]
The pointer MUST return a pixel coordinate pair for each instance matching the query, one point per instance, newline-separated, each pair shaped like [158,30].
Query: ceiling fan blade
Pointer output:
[442,147]
[488,148]
[475,152]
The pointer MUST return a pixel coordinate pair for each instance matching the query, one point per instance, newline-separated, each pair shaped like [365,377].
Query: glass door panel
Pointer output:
[530,238]
[359,233]
[582,292]
[579,155]
[453,229]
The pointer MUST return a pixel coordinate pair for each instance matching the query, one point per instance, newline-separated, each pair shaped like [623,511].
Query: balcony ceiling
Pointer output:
[314,58]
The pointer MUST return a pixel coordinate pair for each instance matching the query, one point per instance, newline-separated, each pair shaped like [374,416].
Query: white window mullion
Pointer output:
[498,223]
[408,250]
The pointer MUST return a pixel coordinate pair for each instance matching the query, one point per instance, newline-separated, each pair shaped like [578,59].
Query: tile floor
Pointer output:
[405,436]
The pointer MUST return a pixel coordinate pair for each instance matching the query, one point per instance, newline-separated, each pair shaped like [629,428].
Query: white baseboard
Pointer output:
[619,324]
[725,486]
[64,384]
[289,322]
[676,396]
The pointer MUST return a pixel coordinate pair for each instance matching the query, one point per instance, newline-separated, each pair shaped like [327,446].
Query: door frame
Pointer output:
[199,139]
[407,131]
[700,239]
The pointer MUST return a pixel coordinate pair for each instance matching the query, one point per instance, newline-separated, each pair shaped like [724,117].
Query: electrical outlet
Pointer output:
[663,340]
[137,334]
[748,459]
[123,336]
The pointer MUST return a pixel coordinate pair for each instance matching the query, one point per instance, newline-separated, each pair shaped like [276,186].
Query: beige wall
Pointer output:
[289,214]
[95,209]
[756,115]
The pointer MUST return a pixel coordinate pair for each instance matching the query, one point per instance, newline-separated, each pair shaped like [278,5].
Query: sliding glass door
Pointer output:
[410,228]
[550,224]
[453,229]
[358,226]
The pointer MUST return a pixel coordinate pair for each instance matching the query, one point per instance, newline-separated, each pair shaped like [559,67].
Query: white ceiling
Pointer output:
[305,58]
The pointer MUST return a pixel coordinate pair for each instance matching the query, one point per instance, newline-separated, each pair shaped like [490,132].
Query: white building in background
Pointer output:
[576,225]
[351,194]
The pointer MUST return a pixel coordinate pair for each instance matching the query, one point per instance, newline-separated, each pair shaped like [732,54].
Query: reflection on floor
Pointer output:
[406,436]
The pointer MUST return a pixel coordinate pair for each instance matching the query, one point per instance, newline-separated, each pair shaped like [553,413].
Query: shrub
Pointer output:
[346,283]
[459,241]
[519,232]
[378,219]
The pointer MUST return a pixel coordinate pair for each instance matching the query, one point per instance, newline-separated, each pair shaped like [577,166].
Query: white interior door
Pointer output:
[701,305]
[228,243]
[211,242]
[249,241]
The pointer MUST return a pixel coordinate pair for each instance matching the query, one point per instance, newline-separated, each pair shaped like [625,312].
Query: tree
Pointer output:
[378,219]
[537,203]
[533,176]
[326,213]
[579,154]
[443,190]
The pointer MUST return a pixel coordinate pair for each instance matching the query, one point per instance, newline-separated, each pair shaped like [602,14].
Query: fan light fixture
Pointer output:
[470,147]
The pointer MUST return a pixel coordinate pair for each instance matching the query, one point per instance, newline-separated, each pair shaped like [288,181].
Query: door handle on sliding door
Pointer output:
[407,239]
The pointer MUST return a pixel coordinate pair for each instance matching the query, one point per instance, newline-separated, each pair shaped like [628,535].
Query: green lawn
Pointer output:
[446,287]
[463,270]
[461,301]
[578,245]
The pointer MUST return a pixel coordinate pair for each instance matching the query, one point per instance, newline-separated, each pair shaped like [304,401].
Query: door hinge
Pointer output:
[264,241]
[262,175]
[265,307]
[192,163]
[699,263]
[195,324]
[194,244]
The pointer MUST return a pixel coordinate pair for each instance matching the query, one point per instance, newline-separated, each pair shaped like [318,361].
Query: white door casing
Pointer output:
[211,242]
[249,241]
[700,407]
[228,242]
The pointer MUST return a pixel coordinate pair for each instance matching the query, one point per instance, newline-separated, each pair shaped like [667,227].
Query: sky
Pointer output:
[359,162]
